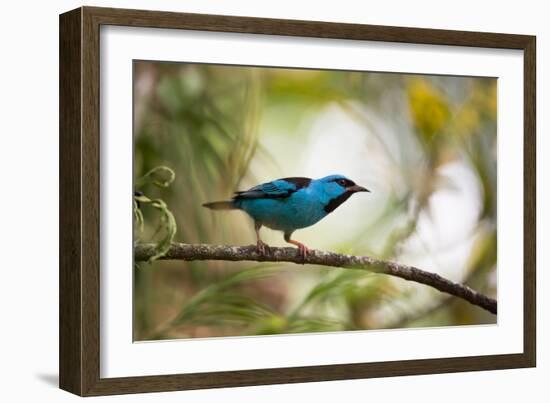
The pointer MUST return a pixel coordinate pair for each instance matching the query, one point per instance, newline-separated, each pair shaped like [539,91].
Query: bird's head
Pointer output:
[336,189]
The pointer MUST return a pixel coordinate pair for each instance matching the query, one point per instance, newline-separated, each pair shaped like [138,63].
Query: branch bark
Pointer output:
[179,251]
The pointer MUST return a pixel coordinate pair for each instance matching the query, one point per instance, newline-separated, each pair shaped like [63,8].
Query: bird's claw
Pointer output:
[262,248]
[303,252]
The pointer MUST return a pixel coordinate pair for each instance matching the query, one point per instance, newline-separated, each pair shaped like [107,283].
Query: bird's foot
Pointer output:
[302,251]
[262,248]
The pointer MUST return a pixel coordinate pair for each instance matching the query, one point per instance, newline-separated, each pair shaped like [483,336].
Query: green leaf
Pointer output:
[216,301]
[160,176]
[167,223]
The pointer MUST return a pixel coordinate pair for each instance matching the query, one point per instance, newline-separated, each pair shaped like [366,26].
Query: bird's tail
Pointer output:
[221,205]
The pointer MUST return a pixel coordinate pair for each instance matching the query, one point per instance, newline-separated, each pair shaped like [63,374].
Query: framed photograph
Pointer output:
[249,201]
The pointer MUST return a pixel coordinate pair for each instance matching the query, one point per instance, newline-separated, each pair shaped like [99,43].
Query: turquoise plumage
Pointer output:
[289,204]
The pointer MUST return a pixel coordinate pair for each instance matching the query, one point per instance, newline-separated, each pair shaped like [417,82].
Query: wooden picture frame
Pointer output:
[79,200]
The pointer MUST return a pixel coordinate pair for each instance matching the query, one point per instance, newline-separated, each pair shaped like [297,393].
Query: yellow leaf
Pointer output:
[429,109]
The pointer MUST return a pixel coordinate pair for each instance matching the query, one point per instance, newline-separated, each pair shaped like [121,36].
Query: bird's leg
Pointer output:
[302,249]
[261,246]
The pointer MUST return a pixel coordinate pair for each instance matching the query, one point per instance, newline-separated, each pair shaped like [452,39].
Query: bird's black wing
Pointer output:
[279,188]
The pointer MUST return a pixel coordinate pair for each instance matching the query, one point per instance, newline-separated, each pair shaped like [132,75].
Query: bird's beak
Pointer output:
[357,188]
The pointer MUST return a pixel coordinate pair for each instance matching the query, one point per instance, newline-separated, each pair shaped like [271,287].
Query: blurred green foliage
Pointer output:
[224,128]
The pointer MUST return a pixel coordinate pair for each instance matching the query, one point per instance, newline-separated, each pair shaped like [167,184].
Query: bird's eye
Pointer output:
[342,182]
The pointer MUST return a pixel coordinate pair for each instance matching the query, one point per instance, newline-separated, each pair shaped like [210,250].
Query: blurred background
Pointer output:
[424,145]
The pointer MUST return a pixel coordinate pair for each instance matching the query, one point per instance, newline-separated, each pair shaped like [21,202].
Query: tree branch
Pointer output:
[179,251]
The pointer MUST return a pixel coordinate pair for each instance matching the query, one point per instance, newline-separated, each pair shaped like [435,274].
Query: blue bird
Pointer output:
[289,204]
